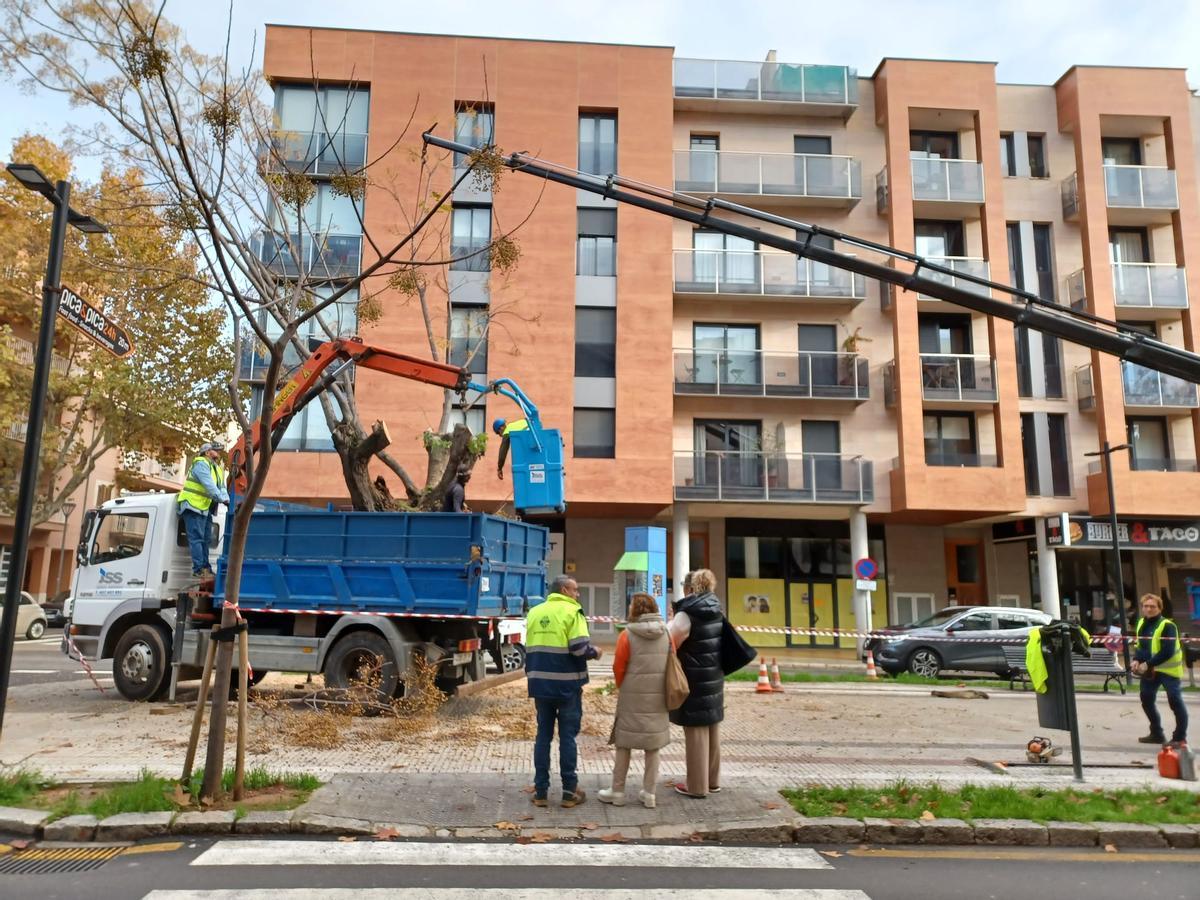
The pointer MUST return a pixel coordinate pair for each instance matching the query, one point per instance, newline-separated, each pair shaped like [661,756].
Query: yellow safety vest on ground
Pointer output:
[1035,663]
[193,491]
[1174,665]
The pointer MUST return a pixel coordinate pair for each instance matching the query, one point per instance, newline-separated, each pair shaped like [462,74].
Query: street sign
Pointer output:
[865,584]
[866,569]
[94,324]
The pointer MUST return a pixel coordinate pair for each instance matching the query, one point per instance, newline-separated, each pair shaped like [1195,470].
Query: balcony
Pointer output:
[959,379]
[15,431]
[1134,195]
[1152,390]
[765,87]
[940,187]
[961,460]
[761,273]
[801,375]
[1152,290]
[758,477]
[972,266]
[776,178]
[1149,464]
[1077,290]
[1085,388]
[143,467]
[316,152]
[23,355]
[322,256]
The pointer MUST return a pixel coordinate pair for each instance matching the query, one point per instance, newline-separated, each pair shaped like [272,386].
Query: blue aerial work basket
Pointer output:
[537,470]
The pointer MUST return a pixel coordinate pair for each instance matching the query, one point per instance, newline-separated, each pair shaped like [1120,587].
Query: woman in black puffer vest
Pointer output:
[696,632]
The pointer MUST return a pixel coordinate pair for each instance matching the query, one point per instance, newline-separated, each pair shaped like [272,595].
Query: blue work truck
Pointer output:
[324,591]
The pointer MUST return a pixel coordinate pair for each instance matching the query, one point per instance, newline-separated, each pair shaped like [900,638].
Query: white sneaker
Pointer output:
[607,795]
[648,800]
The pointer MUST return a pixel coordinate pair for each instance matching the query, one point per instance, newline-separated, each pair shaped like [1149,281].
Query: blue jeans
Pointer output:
[198,527]
[1174,689]
[568,713]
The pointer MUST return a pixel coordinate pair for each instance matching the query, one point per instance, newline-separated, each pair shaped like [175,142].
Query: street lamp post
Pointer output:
[67,508]
[59,196]
[1115,570]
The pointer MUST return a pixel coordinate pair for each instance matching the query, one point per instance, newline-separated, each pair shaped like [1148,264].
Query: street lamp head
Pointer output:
[31,177]
[86,224]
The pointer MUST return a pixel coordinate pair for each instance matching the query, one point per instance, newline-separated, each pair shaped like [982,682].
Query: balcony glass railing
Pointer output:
[727,79]
[1077,290]
[23,355]
[1148,387]
[315,256]
[960,180]
[317,153]
[1070,196]
[959,265]
[742,373]
[776,174]
[773,477]
[764,274]
[1154,285]
[951,376]
[1085,388]
[1141,187]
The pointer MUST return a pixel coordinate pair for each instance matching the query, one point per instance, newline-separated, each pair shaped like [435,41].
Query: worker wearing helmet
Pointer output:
[504,429]
[205,483]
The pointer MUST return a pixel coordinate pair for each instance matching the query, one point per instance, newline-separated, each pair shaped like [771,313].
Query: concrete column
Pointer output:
[681,542]
[1047,573]
[860,548]
[751,557]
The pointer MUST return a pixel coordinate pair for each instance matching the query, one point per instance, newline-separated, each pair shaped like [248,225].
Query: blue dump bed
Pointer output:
[470,564]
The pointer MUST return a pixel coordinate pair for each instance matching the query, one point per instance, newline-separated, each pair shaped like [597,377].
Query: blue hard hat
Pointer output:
[498,425]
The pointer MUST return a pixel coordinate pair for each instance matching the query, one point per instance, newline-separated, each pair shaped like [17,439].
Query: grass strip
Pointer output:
[912,801]
[17,786]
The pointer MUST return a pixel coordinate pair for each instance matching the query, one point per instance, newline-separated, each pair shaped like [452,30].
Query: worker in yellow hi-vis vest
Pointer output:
[504,429]
[1159,663]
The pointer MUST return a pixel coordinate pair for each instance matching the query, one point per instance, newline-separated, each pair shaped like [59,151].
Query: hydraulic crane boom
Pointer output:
[1014,304]
[318,372]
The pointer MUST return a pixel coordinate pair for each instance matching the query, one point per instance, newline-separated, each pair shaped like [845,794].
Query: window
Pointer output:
[727,453]
[308,430]
[338,320]
[935,144]
[470,235]
[1016,264]
[938,239]
[950,439]
[1043,260]
[595,433]
[1008,156]
[1052,366]
[598,143]
[597,248]
[702,161]
[1037,156]
[1029,454]
[1013,621]
[1149,446]
[1128,245]
[119,536]
[1121,151]
[760,557]
[474,125]
[725,354]
[468,338]
[944,334]
[1060,461]
[975,621]
[595,342]
[1024,363]
[727,262]
[321,130]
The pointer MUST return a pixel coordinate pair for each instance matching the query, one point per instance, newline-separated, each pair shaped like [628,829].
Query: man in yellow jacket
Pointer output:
[1158,660]
[557,648]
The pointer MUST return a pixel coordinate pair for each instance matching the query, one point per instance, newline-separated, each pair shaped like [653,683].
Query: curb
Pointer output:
[31,823]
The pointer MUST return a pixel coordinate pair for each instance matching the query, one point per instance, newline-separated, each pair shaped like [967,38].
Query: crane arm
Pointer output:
[1013,304]
[318,372]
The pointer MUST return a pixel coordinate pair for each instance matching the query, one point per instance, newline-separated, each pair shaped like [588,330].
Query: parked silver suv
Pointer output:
[963,638]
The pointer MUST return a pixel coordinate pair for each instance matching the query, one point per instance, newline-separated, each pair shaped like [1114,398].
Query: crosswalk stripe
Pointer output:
[32,671]
[414,893]
[309,853]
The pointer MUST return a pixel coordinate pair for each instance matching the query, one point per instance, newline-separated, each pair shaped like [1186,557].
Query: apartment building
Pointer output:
[782,418]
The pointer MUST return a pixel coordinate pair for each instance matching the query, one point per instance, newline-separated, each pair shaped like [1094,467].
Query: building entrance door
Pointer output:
[966,583]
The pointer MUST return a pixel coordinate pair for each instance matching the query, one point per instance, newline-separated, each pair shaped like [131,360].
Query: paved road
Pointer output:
[41,662]
[370,870]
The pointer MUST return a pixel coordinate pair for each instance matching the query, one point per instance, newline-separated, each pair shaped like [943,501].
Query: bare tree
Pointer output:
[205,137]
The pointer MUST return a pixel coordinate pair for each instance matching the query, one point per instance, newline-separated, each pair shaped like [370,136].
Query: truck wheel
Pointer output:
[357,653]
[141,662]
[512,657]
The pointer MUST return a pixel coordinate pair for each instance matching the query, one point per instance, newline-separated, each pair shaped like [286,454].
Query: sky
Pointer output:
[1033,41]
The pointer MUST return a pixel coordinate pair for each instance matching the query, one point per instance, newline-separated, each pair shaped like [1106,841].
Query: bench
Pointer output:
[1102,662]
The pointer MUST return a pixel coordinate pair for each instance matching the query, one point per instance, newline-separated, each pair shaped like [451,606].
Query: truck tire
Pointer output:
[141,663]
[356,651]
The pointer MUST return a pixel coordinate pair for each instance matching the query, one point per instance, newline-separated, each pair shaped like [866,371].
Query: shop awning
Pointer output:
[633,561]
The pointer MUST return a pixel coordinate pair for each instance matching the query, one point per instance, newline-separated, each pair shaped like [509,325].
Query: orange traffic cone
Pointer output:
[776,681]
[871,673]
[764,686]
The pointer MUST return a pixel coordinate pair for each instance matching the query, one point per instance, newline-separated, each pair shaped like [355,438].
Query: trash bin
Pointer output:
[1056,704]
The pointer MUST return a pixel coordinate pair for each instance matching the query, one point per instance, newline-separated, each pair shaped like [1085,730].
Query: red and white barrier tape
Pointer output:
[79,656]
[1099,639]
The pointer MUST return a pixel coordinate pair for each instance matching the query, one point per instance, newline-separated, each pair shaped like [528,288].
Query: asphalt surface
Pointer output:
[296,868]
[41,662]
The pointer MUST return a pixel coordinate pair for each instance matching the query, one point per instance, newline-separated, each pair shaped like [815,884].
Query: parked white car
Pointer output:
[31,618]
